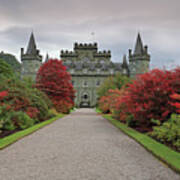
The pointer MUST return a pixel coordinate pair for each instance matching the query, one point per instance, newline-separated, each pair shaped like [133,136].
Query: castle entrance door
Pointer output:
[85,100]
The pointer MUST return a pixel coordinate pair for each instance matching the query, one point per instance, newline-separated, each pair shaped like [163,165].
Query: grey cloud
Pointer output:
[58,24]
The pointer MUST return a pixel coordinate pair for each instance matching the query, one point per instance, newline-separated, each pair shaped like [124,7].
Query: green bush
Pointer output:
[113,82]
[22,96]
[40,101]
[22,120]
[5,70]
[15,120]
[5,118]
[168,132]
[12,61]
[21,103]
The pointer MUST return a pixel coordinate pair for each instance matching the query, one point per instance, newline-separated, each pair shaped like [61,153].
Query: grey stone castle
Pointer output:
[31,60]
[88,67]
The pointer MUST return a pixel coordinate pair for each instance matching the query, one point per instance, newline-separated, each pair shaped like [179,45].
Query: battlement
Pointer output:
[85,46]
[143,56]
[35,56]
[67,53]
[103,54]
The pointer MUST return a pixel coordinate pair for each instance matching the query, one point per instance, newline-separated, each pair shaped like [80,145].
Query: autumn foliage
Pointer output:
[149,95]
[3,94]
[152,95]
[55,81]
[176,102]
[108,103]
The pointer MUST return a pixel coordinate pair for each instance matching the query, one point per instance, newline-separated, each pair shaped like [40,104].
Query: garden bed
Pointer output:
[6,141]
[162,152]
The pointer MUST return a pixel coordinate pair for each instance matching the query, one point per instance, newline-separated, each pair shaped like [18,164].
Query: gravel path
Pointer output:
[80,146]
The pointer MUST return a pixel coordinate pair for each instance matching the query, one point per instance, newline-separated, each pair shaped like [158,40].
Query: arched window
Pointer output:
[85,84]
[98,83]
[85,96]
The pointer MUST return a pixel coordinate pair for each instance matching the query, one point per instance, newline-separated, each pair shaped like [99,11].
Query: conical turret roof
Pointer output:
[124,64]
[139,45]
[47,57]
[31,45]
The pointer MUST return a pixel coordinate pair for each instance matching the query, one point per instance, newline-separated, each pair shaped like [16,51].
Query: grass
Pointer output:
[162,152]
[6,141]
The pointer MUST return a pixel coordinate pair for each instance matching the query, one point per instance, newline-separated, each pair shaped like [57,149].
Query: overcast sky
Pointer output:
[114,24]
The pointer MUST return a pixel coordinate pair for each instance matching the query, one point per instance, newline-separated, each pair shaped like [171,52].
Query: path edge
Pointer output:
[170,157]
[8,140]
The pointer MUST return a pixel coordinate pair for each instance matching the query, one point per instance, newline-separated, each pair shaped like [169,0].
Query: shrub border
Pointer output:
[8,140]
[162,152]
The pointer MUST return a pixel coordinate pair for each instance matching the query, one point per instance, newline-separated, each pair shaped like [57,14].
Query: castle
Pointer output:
[88,66]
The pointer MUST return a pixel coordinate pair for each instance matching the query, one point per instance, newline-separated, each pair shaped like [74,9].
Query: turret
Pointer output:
[31,60]
[125,69]
[47,58]
[139,60]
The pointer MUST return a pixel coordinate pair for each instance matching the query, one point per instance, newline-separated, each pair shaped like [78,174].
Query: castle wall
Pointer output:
[30,68]
[138,67]
[88,68]
[93,82]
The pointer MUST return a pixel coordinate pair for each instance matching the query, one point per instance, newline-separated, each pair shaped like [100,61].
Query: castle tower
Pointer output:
[125,68]
[47,58]
[31,60]
[139,60]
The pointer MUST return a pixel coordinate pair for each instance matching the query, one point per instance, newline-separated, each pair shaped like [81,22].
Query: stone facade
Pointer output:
[31,60]
[89,67]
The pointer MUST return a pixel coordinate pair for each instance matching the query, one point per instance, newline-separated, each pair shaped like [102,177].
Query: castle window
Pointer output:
[73,83]
[84,71]
[72,71]
[98,83]
[85,84]
[112,71]
[98,70]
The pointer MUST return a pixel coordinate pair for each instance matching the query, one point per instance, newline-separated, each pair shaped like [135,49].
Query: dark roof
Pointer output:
[124,64]
[31,45]
[139,45]
[78,66]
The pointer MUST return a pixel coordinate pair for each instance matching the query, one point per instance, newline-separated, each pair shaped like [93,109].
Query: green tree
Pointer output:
[12,61]
[5,70]
[113,82]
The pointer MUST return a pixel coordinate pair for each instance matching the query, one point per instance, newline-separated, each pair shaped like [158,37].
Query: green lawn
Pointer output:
[162,152]
[4,142]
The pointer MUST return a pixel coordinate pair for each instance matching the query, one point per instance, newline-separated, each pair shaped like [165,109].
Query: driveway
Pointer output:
[80,146]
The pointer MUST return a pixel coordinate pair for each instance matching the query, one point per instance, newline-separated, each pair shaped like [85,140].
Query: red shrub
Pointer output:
[55,81]
[3,94]
[104,104]
[148,96]
[19,103]
[119,107]
[176,97]
[32,112]
[62,105]
[109,103]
